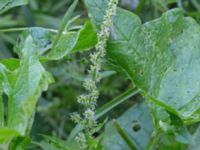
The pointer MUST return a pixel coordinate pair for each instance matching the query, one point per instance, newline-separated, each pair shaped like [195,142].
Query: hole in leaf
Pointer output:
[136,126]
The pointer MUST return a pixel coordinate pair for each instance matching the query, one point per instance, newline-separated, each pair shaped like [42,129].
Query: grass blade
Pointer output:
[124,136]
[66,18]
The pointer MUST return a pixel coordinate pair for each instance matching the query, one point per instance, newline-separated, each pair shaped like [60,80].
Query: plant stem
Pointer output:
[66,18]
[115,102]
[25,28]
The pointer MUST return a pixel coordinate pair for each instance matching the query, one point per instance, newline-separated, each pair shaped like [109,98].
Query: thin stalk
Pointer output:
[115,102]
[66,18]
[23,29]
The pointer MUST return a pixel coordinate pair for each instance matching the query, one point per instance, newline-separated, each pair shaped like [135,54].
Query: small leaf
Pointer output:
[64,46]
[6,136]
[180,131]
[65,20]
[87,38]
[11,63]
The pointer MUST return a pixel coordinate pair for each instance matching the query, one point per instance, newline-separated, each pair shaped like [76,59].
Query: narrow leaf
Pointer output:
[8,4]
[124,135]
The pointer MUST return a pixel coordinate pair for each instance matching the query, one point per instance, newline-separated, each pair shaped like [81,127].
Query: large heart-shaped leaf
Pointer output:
[161,57]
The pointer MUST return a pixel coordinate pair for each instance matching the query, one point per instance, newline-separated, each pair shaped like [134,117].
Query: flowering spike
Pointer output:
[89,100]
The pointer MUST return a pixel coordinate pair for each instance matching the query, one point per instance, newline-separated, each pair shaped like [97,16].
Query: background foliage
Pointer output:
[55,105]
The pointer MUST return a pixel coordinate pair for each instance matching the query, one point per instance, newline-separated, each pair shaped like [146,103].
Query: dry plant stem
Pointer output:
[89,100]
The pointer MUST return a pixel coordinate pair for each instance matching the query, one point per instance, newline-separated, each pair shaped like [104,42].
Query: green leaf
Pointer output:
[122,29]
[53,143]
[94,143]
[65,20]
[6,133]
[28,83]
[11,63]
[8,4]
[70,42]
[41,38]
[23,84]
[163,68]
[166,142]
[6,136]
[1,110]
[19,143]
[96,10]
[161,57]
[87,38]
[65,45]
[169,130]
[180,131]
[170,124]
[137,124]
[4,86]
[23,80]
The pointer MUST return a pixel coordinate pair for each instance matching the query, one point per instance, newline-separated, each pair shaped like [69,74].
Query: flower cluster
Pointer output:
[89,100]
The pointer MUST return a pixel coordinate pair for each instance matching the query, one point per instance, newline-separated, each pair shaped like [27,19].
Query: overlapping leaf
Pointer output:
[23,80]
[74,42]
[23,85]
[69,42]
